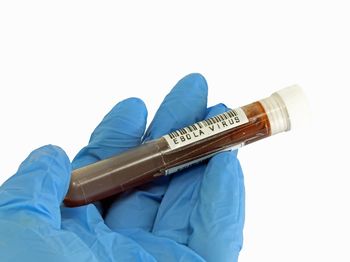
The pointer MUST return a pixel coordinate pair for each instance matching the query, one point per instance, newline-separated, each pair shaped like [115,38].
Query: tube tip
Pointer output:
[75,195]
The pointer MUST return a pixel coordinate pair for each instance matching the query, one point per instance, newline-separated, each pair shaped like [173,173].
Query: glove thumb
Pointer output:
[36,191]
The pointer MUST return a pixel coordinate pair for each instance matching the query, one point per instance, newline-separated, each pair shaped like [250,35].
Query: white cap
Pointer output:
[297,106]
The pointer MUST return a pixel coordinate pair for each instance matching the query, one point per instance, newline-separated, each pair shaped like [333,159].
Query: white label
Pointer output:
[196,161]
[206,128]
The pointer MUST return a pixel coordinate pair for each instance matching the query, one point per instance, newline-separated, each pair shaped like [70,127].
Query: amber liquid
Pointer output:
[151,160]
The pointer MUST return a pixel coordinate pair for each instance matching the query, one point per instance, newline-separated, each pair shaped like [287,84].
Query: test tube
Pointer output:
[283,110]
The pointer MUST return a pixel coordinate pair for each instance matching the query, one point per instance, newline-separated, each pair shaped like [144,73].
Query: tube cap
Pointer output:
[297,106]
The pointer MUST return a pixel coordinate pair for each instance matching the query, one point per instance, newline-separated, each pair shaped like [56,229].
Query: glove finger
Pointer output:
[185,104]
[87,223]
[121,129]
[172,219]
[162,249]
[37,189]
[218,216]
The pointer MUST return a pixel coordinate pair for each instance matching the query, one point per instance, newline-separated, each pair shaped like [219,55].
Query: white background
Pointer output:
[64,64]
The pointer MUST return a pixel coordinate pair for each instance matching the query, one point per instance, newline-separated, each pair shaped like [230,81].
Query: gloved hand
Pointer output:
[194,215]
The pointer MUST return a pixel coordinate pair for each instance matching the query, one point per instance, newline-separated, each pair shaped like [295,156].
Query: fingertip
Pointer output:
[185,104]
[216,109]
[133,101]
[59,153]
[196,81]
[53,160]
[122,128]
[125,122]
[47,154]
[131,105]
[40,184]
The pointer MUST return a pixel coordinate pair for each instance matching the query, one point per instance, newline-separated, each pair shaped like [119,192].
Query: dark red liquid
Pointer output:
[150,160]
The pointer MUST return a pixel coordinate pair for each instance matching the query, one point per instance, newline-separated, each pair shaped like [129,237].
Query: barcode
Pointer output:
[199,125]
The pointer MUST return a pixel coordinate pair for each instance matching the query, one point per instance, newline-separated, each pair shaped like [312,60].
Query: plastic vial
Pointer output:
[235,128]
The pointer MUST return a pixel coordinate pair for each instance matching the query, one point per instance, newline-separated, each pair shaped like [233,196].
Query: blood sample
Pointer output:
[184,147]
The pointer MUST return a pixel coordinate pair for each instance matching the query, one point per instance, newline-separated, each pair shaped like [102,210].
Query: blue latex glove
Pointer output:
[195,215]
